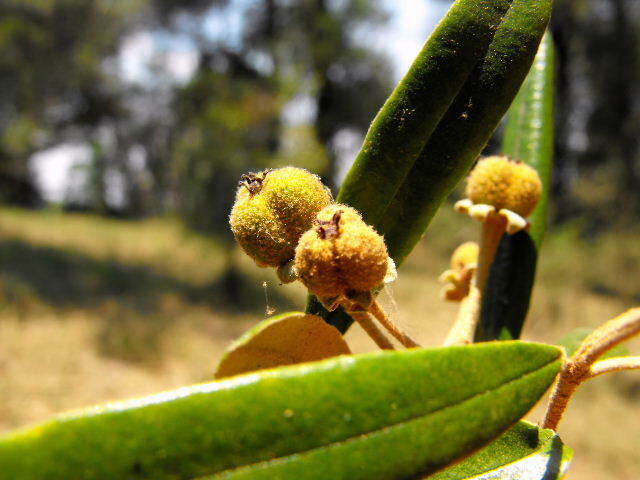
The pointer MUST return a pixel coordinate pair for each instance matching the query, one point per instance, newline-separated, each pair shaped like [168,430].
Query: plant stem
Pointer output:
[364,320]
[493,228]
[391,327]
[608,335]
[582,365]
[568,382]
[464,327]
[614,365]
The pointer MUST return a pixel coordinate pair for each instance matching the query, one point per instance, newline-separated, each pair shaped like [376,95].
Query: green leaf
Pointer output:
[437,121]
[572,341]
[286,339]
[528,137]
[525,452]
[332,419]
[529,131]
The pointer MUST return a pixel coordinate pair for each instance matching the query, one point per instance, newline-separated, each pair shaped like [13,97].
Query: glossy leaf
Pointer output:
[525,452]
[528,137]
[287,339]
[383,415]
[416,151]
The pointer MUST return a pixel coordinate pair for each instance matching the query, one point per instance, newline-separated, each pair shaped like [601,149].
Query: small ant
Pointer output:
[253,181]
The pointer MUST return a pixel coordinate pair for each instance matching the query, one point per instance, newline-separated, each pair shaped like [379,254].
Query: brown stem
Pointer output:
[608,335]
[493,228]
[368,325]
[391,327]
[568,382]
[617,364]
[464,328]
[583,365]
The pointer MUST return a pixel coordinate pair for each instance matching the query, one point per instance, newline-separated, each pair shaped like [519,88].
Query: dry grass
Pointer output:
[94,310]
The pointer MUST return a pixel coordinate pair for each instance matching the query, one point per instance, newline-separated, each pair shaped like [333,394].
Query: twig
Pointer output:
[464,327]
[391,327]
[368,325]
[582,365]
[616,364]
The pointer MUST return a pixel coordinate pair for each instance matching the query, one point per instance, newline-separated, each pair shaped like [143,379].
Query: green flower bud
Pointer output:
[273,209]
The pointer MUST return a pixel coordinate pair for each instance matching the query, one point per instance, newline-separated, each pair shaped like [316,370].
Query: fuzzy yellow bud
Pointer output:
[463,263]
[341,255]
[273,209]
[505,184]
[465,255]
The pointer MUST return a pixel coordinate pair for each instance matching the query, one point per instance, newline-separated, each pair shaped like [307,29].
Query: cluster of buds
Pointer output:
[285,219]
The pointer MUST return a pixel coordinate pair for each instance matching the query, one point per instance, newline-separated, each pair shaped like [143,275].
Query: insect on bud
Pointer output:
[505,184]
[273,209]
[341,255]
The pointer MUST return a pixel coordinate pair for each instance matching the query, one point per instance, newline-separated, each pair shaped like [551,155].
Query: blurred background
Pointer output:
[124,128]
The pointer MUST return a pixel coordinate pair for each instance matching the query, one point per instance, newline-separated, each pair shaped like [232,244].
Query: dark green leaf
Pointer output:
[528,137]
[440,117]
[506,297]
[330,419]
[525,452]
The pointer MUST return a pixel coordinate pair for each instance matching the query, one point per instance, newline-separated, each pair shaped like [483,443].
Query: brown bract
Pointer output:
[341,254]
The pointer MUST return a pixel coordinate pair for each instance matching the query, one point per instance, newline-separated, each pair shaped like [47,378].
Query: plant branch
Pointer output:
[617,364]
[364,320]
[391,327]
[582,365]
[464,327]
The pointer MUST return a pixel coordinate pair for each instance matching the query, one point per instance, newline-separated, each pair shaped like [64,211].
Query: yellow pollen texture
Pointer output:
[269,221]
[505,183]
[353,259]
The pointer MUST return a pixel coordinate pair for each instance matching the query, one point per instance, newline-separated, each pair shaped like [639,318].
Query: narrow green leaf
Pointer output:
[528,137]
[330,419]
[409,165]
[286,339]
[529,131]
[525,452]
[401,129]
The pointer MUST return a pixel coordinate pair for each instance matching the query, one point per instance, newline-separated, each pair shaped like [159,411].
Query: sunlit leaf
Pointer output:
[287,339]
[384,415]
[525,452]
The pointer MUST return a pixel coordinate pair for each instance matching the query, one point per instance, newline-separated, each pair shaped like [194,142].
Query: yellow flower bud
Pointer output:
[464,255]
[341,254]
[273,209]
[504,183]
[463,263]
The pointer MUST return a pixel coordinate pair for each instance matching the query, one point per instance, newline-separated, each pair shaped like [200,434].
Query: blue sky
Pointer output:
[410,24]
